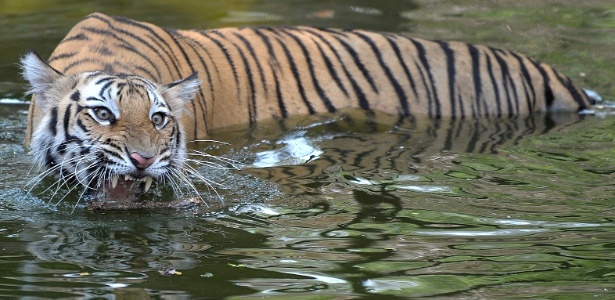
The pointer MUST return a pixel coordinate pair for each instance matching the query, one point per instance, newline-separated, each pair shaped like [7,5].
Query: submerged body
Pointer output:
[250,74]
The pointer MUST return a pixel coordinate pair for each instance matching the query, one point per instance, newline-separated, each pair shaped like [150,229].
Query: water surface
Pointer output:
[343,206]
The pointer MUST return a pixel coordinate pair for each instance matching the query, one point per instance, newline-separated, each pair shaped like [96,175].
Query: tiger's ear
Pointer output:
[179,93]
[40,75]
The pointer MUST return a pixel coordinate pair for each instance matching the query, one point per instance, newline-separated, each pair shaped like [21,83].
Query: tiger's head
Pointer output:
[113,134]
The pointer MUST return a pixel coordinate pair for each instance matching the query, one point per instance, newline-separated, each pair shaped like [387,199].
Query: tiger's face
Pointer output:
[113,134]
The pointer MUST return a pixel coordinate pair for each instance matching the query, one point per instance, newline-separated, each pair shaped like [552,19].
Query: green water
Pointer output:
[340,207]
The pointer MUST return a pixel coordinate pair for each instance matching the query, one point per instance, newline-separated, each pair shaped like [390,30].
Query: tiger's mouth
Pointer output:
[148,180]
[125,188]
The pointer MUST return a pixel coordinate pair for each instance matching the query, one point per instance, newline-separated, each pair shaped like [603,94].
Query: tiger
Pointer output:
[116,102]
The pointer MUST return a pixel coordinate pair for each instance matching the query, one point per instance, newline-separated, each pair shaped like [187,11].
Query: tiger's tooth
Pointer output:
[114,180]
[126,177]
[148,183]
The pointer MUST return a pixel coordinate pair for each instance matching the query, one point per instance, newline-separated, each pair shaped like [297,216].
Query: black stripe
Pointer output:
[166,152]
[62,56]
[355,57]
[50,161]
[92,75]
[531,100]
[363,103]
[474,113]
[259,68]
[274,62]
[105,79]
[227,55]
[252,103]
[256,60]
[399,91]
[295,71]
[66,122]
[177,134]
[451,73]
[127,45]
[496,89]
[147,71]
[104,88]
[331,68]
[546,85]
[61,149]
[321,93]
[76,63]
[111,143]
[77,37]
[202,104]
[428,86]
[476,76]
[576,96]
[506,79]
[425,63]
[402,62]
[53,119]
[81,125]
[158,40]
[526,94]
[153,65]
[188,62]
[112,153]
[84,151]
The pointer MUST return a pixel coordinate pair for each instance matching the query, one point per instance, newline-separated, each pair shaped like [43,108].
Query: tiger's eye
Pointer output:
[103,113]
[158,119]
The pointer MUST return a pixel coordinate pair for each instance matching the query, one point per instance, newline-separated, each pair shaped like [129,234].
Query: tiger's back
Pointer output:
[250,74]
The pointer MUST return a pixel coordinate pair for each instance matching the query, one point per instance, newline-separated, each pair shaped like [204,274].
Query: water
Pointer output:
[343,206]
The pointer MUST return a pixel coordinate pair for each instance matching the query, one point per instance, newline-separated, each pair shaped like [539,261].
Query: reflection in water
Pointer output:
[352,146]
[341,205]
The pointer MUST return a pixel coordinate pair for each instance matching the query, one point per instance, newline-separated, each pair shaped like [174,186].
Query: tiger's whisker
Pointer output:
[183,178]
[207,155]
[66,183]
[210,164]
[210,141]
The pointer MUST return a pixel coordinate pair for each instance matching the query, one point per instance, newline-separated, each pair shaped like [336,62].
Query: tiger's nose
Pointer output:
[142,162]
